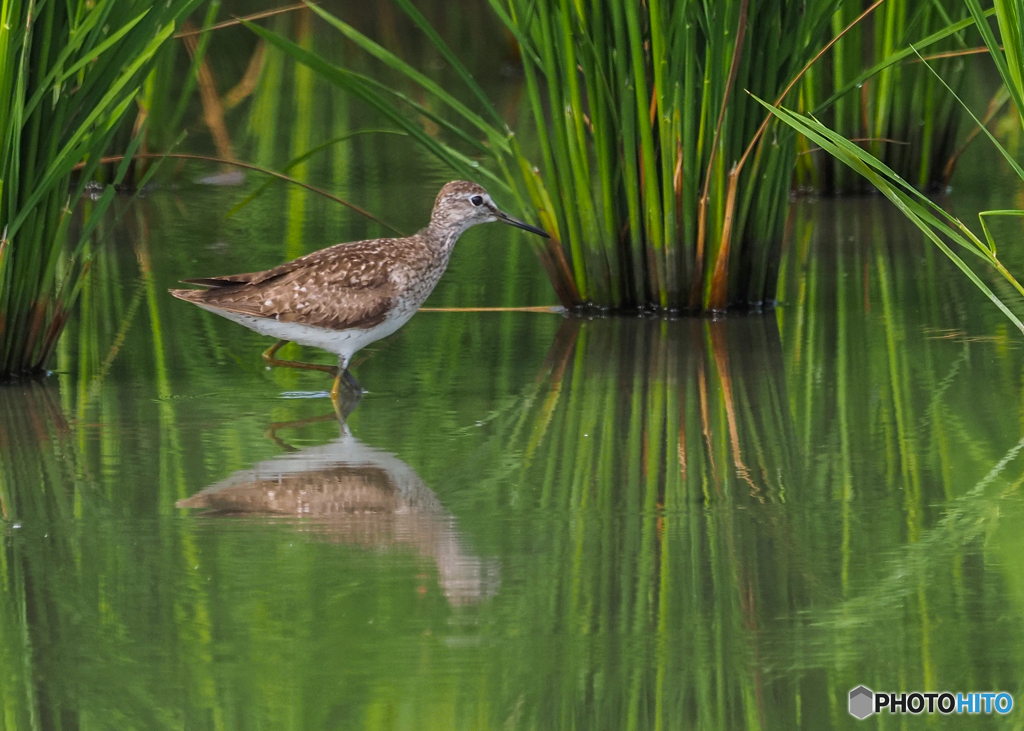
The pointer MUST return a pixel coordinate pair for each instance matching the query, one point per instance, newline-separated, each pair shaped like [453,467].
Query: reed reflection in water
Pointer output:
[711,561]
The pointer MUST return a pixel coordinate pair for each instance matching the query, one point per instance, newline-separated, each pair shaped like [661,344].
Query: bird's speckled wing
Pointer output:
[342,287]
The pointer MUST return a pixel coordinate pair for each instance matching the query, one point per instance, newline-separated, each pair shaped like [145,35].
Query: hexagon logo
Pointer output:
[862,702]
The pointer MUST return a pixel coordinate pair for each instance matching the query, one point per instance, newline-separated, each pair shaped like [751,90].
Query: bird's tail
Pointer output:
[189,295]
[199,500]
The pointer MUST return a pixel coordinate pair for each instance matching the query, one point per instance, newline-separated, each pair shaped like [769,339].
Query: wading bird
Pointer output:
[344,297]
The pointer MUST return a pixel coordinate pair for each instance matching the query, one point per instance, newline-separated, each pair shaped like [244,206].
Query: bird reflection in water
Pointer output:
[357,495]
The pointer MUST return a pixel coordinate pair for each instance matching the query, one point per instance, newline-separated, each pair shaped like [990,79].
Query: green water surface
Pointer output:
[529,521]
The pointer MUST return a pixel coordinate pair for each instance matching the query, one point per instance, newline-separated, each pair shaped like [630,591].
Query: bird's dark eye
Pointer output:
[477,200]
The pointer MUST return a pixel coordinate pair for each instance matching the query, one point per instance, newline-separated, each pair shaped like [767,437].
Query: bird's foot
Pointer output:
[351,381]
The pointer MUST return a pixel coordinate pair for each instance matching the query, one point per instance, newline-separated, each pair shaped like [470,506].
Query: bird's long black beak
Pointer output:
[505,218]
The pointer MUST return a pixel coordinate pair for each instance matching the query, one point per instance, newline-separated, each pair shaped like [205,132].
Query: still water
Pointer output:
[529,521]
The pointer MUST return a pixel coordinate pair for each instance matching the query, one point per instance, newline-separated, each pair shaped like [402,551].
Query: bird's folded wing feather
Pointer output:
[231,280]
[338,288]
[356,251]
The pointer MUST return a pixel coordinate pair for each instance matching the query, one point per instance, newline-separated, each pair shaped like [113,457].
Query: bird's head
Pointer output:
[462,204]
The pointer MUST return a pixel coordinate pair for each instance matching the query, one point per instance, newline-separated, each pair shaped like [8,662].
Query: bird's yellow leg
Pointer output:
[268,356]
[271,431]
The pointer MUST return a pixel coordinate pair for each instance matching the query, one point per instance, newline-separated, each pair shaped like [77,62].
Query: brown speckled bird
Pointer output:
[344,297]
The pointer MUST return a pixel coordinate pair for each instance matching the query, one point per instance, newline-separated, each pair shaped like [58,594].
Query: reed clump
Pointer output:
[965,248]
[69,73]
[640,151]
[902,114]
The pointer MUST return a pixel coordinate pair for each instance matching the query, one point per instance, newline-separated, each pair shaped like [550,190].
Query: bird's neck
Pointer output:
[444,234]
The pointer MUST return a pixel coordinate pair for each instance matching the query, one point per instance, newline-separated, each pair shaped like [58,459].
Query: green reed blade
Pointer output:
[424,81]
[649,182]
[198,57]
[467,78]
[355,85]
[1007,58]
[385,92]
[302,158]
[896,58]
[983,127]
[79,143]
[71,75]
[888,183]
